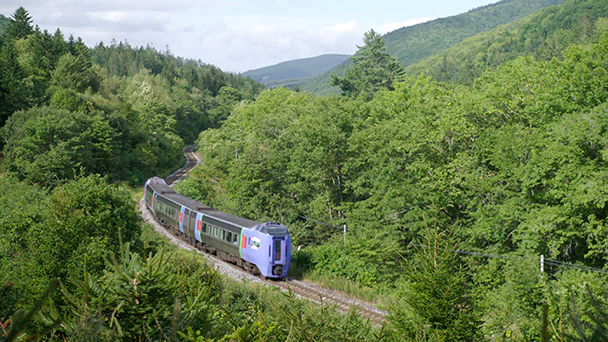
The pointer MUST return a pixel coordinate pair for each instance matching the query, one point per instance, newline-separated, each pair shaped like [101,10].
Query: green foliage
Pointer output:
[514,304]
[21,206]
[517,162]
[121,59]
[11,86]
[19,322]
[60,236]
[136,300]
[90,210]
[4,21]
[594,326]
[73,73]
[351,260]
[576,305]
[46,145]
[286,141]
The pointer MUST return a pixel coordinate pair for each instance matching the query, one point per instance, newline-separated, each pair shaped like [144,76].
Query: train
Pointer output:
[260,248]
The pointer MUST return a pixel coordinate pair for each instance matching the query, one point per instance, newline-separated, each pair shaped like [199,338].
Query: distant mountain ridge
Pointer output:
[414,43]
[296,71]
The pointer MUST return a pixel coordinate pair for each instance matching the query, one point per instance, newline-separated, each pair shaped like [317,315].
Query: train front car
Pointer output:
[268,246]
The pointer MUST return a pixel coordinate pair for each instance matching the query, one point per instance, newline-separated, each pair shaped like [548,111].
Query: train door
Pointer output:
[243,252]
[191,220]
[198,231]
[181,219]
[277,250]
[153,202]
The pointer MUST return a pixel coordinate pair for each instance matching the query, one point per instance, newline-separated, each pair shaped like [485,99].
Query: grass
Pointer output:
[351,289]
[137,192]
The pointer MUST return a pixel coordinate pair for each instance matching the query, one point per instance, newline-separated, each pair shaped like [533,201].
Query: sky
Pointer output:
[235,35]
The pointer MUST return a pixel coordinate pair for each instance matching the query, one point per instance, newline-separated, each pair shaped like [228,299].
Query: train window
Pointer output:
[222,234]
[235,239]
[277,249]
[203,227]
[228,236]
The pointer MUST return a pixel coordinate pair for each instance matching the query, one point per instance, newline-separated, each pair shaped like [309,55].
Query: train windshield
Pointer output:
[275,230]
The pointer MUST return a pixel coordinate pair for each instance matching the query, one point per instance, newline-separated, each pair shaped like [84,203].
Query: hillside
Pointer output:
[413,43]
[544,35]
[294,72]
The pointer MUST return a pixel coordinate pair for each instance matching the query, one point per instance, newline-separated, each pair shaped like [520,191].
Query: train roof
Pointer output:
[168,192]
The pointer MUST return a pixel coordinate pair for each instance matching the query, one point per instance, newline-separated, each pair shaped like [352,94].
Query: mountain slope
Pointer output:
[543,35]
[413,43]
[410,44]
[296,71]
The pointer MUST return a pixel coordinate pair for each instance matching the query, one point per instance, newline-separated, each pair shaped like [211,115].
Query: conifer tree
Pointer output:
[438,305]
[20,25]
[373,69]
[11,85]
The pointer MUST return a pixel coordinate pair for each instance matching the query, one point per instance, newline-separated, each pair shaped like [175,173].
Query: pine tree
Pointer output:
[373,69]
[11,85]
[20,25]
[438,306]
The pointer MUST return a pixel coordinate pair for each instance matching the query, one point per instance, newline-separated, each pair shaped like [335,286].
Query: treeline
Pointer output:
[119,111]
[513,167]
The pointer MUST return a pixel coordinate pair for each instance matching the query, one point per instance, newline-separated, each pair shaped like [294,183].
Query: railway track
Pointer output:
[323,296]
[316,294]
[192,161]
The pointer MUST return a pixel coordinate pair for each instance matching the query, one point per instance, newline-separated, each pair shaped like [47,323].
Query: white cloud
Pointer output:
[108,16]
[340,28]
[338,38]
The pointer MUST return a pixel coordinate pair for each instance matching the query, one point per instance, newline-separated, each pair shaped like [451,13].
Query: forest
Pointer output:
[474,211]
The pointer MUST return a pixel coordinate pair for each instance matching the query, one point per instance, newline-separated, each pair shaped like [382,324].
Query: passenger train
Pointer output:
[260,248]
